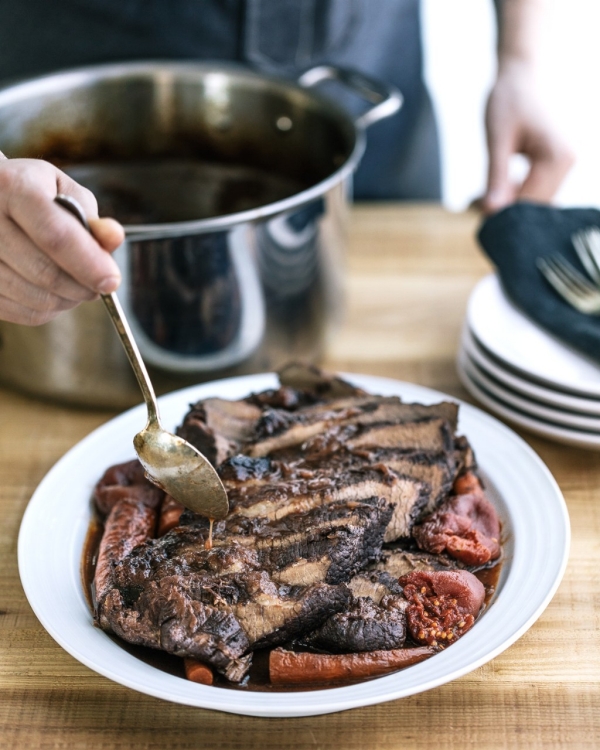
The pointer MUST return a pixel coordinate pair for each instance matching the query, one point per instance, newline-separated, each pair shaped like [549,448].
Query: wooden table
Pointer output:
[411,269]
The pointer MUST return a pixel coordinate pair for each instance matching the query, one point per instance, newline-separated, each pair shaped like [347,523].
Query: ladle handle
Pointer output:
[120,323]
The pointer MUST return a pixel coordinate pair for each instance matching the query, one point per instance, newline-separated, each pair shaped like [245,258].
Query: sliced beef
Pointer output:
[436,469]
[399,562]
[213,605]
[464,454]
[310,378]
[376,421]
[432,434]
[281,579]
[364,626]
[374,584]
[281,497]
[319,476]
[283,397]
[217,427]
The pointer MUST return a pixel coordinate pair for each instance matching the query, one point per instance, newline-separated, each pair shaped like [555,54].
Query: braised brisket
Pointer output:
[319,476]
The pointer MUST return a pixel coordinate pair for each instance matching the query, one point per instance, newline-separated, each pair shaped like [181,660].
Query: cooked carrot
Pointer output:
[129,523]
[292,668]
[467,484]
[196,671]
[170,513]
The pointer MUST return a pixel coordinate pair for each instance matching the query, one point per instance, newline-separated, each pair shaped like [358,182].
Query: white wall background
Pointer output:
[459,38]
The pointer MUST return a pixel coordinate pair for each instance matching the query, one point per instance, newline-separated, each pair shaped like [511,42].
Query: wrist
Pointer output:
[520,30]
[521,68]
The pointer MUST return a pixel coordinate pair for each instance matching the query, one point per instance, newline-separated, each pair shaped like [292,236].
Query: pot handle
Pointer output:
[386,99]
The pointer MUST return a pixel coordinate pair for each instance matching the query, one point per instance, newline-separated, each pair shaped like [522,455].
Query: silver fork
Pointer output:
[587,246]
[570,284]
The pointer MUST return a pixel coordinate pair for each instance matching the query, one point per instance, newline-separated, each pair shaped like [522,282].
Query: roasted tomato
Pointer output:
[465,526]
[123,481]
[442,605]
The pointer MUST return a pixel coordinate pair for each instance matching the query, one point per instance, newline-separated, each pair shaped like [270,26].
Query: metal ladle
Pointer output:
[170,461]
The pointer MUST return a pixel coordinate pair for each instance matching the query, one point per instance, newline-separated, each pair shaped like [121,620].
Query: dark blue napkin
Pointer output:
[513,239]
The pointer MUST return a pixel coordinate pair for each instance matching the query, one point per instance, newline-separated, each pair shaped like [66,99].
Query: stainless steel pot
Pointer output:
[233,190]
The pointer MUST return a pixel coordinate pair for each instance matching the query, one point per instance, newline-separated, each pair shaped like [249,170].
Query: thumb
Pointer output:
[500,191]
[108,233]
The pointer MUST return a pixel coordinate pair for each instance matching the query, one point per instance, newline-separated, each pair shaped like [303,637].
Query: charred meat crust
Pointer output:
[364,626]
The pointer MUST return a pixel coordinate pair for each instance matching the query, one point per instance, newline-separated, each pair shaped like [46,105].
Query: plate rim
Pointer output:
[564,435]
[529,388]
[529,406]
[590,390]
[341,698]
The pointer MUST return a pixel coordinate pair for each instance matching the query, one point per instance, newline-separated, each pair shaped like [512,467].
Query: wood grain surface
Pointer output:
[410,271]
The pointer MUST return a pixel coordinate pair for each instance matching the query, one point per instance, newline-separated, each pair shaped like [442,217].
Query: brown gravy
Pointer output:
[173,189]
[258,677]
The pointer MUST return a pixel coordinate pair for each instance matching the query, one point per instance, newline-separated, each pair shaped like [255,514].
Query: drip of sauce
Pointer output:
[209,543]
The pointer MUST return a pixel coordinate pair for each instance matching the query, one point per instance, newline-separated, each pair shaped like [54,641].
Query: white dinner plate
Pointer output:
[560,434]
[525,405]
[512,337]
[529,502]
[557,399]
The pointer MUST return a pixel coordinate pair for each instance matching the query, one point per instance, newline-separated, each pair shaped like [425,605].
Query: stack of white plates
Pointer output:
[524,375]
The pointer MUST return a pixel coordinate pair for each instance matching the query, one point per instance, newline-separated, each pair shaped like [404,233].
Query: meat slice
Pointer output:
[423,427]
[432,434]
[217,427]
[310,378]
[329,543]
[363,626]
[400,562]
[263,588]
[278,498]
[437,469]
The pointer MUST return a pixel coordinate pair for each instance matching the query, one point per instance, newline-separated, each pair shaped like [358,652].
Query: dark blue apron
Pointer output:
[379,37]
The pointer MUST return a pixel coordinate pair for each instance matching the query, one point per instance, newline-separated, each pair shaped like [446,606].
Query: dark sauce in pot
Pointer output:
[258,677]
[172,189]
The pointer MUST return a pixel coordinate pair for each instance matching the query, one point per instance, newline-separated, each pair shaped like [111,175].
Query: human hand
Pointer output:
[516,123]
[48,261]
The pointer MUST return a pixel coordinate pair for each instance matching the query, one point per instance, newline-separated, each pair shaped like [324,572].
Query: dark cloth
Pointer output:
[513,239]
[381,38]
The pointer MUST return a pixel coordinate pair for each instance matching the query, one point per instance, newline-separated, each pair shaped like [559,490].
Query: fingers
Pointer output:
[15,311]
[16,288]
[48,261]
[27,190]
[517,123]
[61,237]
[22,256]
[500,189]
[550,164]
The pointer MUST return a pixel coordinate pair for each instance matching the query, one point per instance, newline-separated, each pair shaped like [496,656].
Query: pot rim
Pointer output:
[14,91]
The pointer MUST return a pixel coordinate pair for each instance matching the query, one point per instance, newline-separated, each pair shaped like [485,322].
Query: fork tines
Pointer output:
[587,246]
[571,285]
